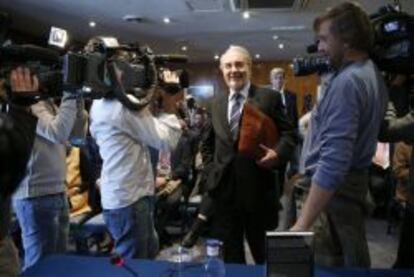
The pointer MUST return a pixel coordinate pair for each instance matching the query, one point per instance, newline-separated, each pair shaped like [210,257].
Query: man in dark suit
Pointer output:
[242,188]
[277,80]
[288,213]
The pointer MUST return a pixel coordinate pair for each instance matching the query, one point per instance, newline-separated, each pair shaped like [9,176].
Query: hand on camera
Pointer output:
[21,80]
[170,100]
[170,77]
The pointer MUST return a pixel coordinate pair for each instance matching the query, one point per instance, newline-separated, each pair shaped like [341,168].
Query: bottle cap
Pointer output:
[213,247]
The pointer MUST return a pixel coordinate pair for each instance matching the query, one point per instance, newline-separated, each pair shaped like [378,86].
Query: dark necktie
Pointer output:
[235,114]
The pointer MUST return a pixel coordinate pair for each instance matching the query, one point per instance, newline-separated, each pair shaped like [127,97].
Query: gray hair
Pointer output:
[277,70]
[239,49]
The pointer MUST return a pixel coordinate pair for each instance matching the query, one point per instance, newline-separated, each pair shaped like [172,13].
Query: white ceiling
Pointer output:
[206,33]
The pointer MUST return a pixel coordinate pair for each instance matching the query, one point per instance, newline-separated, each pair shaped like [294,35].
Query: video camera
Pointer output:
[393,50]
[104,68]
[303,66]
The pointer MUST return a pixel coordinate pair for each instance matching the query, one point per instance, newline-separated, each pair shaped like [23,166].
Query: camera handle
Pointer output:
[132,101]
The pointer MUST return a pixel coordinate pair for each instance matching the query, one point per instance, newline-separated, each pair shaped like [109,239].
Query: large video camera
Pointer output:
[303,66]
[393,49]
[104,68]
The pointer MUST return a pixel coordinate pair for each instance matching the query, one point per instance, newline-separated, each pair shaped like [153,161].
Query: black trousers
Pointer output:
[232,225]
[405,256]
[245,205]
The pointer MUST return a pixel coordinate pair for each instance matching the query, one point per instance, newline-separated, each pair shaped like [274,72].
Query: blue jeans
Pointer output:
[44,222]
[132,228]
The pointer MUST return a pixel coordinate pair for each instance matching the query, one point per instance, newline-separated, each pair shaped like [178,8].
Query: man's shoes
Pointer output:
[192,236]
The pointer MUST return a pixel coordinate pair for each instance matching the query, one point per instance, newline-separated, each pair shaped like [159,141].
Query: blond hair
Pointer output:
[277,70]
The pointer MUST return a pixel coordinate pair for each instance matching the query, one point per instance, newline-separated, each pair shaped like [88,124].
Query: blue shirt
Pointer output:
[344,125]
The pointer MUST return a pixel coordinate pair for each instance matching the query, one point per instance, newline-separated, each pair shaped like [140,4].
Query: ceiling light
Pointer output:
[281,46]
[288,28]
[92,24]
[257,56]
[184,48]
[246,15]
[216,57]
[133,18]
[275,37]
[166,20]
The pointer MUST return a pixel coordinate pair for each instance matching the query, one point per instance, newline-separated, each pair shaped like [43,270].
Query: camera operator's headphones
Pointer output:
[131,77]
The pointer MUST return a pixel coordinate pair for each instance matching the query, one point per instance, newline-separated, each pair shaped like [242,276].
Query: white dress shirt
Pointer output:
[123,136]
[245,92]
[283,96]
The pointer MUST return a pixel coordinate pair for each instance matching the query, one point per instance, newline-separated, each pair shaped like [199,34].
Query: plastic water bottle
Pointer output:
[214,265]
[179,257]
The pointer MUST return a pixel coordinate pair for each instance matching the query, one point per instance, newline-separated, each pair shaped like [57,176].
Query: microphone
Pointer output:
[118,261]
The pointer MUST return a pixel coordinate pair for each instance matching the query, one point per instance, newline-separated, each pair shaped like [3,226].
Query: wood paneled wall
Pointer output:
[209,73]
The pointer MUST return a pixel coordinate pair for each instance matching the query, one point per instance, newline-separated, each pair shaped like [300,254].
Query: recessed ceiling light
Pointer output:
[216,57]
[184,48]
[133,18]
[288,28]
[246,15]
[281,46]
[166,20]
[275,37]
[257,56]
[92,24]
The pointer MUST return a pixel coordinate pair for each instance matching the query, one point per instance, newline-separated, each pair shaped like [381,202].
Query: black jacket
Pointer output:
[227,168]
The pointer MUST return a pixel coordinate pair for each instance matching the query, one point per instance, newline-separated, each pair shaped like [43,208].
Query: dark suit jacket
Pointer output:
[394,129]
[291,106]
[18,130]
[233,175]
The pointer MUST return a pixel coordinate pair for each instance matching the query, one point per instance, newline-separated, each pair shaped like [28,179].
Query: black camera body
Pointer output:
[103,69]
[393,50]
[394,40]
[45,63]
[303,66]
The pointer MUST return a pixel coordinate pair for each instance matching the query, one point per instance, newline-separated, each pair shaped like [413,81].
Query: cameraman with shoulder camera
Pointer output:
[127,178]
[341,139]
[40,201]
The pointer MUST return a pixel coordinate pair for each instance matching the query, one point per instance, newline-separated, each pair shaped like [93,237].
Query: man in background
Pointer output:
[278,81]
[288,212]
